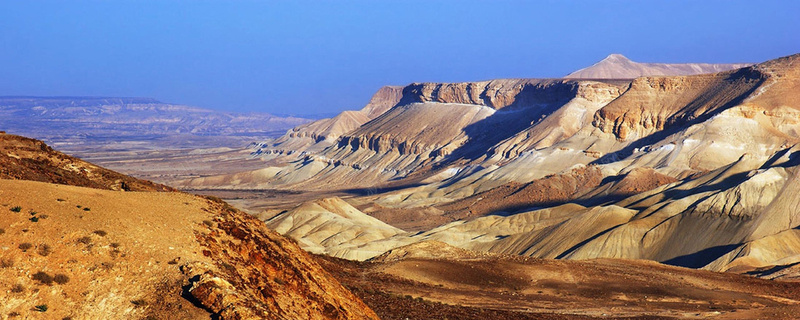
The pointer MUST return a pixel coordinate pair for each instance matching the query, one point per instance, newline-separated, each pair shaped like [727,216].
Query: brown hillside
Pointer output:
[86,253]
[29,159]
[508,287]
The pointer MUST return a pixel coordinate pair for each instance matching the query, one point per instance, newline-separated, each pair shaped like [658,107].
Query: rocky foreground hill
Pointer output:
[694,171]
[78,243]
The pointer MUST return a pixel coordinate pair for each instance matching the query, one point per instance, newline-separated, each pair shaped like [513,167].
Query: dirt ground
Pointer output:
[527,288]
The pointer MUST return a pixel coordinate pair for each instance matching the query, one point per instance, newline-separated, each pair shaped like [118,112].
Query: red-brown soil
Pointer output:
[526,288]
[28,159]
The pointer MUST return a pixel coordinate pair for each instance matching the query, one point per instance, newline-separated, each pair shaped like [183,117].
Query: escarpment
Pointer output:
[653,104]
[496,94]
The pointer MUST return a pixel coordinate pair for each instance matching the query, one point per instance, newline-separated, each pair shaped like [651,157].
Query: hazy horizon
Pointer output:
[310,58]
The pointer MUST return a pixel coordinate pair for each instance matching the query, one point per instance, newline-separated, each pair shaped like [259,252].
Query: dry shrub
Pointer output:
[61,278]
[44,250]
[43,277]
[25,246]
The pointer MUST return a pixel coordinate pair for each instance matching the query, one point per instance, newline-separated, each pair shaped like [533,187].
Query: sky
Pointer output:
[322,57]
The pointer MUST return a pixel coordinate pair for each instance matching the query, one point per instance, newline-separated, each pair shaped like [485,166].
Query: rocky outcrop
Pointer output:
[617,66]
[260,274]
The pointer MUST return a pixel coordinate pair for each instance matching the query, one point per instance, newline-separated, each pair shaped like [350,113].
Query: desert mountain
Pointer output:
[87,253]
[694,171]
[617,66]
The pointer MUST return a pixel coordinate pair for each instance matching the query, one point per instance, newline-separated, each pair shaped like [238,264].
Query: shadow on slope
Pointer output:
[701,258]
[684,118]
[532,104]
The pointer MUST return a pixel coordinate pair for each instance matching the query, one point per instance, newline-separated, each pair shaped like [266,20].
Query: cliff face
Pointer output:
[656,103]
[496,94]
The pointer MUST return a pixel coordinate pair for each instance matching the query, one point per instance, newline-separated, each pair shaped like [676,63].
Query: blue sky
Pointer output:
[310,57]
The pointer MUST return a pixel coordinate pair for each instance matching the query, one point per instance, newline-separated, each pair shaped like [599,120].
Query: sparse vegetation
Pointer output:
[25,246]
[86,209]
[43,278]
[101,233]
[61,278]
[79,206]
[16,209]
[34,219]
[2,231]
[41,308]
[13,314]
[33,213]
[85,240]
[60,200]
[114,245]
[45,250]
[6,263]
[18,288]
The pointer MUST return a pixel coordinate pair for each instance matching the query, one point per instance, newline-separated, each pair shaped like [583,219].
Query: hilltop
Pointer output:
[617,66]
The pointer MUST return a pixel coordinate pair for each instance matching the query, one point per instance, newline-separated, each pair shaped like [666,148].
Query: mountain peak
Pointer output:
[616,57]
[617,66]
